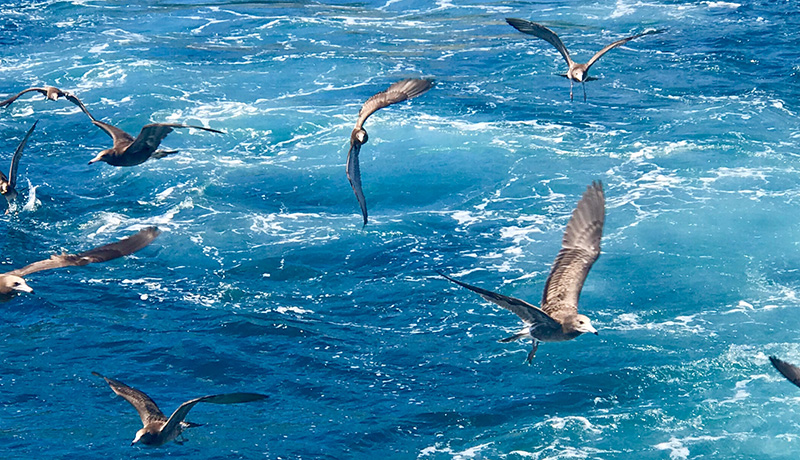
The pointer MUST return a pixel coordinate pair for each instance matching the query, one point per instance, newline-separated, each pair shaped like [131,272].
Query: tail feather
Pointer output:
[514,337]
[186,424]
[162,153]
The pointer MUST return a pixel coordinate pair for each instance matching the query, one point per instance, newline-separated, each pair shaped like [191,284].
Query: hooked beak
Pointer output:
[24,288]
[96,159]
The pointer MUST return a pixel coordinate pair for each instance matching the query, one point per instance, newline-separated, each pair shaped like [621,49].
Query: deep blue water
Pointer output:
[264,280]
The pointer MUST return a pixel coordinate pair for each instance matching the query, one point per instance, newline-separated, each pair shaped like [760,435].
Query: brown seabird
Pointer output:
[159,429]
[400,91]
[130,151]
[790,371]
[558,319]
[12,282]
[8,185]
[49,92]
[577,72]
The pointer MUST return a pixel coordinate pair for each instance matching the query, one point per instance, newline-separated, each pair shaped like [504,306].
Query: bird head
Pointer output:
[144,436]
[9,283]
[101,156]
[578,75]
[582,324]
[359,136]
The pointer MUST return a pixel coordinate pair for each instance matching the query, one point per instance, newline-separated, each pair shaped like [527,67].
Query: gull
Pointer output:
[577,72]
[558,318]
[400,91]
[8,185]
[50,92]
[158,429]
[13,282]
[790,371]
[129,151]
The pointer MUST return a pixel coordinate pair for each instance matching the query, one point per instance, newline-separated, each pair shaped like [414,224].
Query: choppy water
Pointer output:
[263,279]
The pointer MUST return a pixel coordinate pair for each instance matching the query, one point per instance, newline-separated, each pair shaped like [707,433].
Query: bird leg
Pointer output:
[570,90]
[533,352]
[584,91]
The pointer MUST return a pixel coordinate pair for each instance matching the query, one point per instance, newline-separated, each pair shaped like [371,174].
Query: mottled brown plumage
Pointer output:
[8,185]
[400,91]
[13,282]
[558,319]
[576,71]
[790,371]
[50,92]
[158,429]
[129,151]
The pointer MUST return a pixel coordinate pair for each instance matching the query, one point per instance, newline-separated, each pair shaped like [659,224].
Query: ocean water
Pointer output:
[264,280]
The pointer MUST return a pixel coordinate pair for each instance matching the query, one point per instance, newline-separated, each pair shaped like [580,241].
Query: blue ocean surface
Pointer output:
[263,279]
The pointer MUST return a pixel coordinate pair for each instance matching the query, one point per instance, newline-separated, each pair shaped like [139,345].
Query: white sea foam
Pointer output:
[678,446]
[471,452]
[31,204]
[729,5]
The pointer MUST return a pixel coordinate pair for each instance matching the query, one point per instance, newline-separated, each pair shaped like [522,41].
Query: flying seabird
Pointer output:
[8,185]
[127,151]
[12,282]
[159,429]
[558,319]
[400,91]
[49,92]
[790,371]
[577,72]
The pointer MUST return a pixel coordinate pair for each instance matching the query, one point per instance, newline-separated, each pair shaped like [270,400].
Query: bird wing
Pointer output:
[617,43]
[527,312]
[76,101]
[229,398]
[118,136]
[579,249]
[14,98]
[12,174]
[151,135]
[400,91]
[354,175]
[105,253]
[146,407]
[538,30]
[789,371]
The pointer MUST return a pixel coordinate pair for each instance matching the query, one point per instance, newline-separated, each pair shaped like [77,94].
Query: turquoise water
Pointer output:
[264,280]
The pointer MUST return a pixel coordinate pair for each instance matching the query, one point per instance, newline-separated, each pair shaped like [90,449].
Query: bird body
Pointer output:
[399,91]
[576,71]
[127,150]
[8,185]
[13,282]
[158,429]
[788,370]
[50,92]
[558,319]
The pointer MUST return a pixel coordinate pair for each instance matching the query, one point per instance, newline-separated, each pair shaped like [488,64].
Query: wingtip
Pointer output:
[151,230]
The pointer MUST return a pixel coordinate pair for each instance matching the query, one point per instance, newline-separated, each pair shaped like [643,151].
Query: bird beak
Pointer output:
[96,159]
[24,288]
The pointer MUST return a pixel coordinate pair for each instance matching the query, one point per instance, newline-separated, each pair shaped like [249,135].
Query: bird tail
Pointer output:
[162,153]
[514,337]
[186,424]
